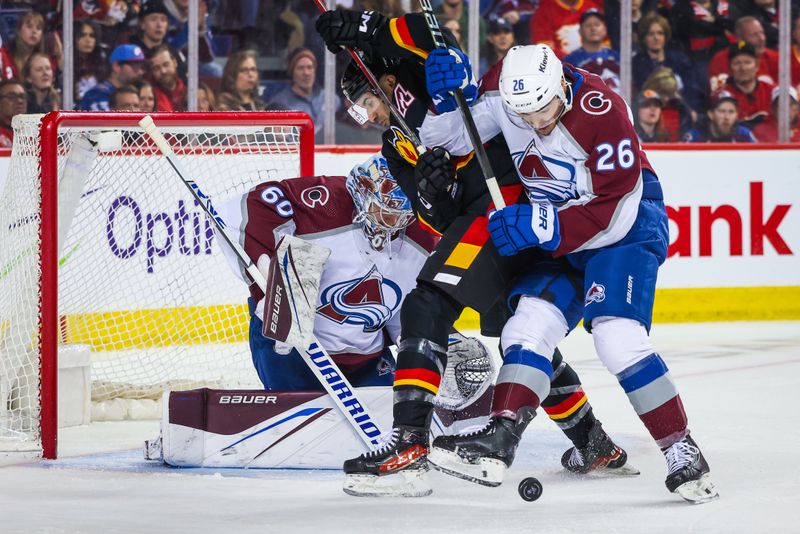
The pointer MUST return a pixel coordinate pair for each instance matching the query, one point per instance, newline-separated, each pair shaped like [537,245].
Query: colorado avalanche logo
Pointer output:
[545,178]
[594,103]
[596,293]
[368,301]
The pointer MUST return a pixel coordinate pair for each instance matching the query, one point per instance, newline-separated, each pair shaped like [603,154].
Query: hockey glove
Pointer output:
[515,228]
[446,71]
[344,28]
[437,189]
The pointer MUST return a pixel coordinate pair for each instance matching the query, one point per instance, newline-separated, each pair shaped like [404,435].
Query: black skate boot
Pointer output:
[599,455]
[481,456]
[404,454]
[688,472]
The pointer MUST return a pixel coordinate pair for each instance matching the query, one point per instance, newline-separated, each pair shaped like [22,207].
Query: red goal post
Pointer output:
[213,139]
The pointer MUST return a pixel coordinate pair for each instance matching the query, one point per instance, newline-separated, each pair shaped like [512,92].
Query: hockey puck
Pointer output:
[530,489]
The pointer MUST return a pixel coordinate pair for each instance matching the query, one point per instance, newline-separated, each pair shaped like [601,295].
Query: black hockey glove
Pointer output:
[434,172]
[341,27]
[437,189]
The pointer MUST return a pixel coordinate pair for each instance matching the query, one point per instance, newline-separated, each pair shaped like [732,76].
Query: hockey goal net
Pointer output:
[103,248]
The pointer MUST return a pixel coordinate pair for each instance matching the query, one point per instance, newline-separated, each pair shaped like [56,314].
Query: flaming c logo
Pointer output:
[404,146]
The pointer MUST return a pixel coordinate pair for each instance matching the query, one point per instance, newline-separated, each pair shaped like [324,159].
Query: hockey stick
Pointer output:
[373,81]
[472,130]
[314,355]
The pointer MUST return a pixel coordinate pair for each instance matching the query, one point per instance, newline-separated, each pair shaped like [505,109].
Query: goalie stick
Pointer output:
[472,130]
[314,355]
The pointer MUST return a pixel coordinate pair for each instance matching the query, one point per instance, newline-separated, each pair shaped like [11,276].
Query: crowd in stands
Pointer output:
[702,70]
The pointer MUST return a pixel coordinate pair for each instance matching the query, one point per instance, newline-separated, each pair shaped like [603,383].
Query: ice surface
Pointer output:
[739,382]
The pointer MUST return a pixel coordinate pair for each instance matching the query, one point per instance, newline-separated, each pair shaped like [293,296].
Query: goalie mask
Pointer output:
[380,205]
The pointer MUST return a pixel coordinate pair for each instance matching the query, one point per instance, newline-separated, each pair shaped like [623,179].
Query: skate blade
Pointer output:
[406,484]
[486,471]
[698,491]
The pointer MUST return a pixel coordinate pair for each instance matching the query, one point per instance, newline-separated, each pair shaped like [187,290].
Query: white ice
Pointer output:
[739,383]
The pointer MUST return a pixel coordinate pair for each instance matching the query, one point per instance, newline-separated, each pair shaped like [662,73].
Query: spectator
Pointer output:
[205,98]
[753,95]
[125,98]
[178,34]
[594,55]
[767,131]
[6,62]
[109,13]
[127,67]
[639,8]
[499,42]
[556,23]
[648,118]
[303,94]
[749,30]
[518,13]
[13,101]
[654,34]
[152,27]
[702,27]
[240,84]
[721,124]
[38,75]
[455,28]
[29,38]
[147,99]
[168,87]
[91,61]
[456,10]
[676,116]
[766,12]
[795,55]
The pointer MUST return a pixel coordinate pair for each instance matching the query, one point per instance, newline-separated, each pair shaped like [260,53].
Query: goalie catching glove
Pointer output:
[344,28]
[446,71]
[515,228]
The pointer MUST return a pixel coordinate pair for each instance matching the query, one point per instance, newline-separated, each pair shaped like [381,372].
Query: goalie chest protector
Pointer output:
[361,290]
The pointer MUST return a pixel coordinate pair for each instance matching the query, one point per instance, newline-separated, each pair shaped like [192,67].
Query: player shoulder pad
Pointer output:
[315,203]
[597,112]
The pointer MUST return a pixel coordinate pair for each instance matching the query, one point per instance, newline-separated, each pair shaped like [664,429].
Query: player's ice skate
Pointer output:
[396,469]
[688,472]
[600,456]
[481,456]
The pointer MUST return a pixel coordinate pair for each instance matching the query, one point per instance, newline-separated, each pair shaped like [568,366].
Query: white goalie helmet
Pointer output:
[532,76]
[381,207]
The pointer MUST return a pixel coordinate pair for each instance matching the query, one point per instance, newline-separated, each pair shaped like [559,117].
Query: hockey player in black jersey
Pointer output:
[450,198]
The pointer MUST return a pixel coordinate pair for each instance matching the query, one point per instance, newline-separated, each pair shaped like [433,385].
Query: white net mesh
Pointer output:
[141,280]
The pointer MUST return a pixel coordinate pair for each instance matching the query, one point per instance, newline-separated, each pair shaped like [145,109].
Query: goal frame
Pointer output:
[48,326]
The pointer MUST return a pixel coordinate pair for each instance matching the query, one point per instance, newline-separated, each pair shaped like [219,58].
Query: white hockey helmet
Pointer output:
[531,78]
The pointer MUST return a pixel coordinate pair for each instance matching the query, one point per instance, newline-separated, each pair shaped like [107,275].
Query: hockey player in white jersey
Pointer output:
[377,249]
[594,199]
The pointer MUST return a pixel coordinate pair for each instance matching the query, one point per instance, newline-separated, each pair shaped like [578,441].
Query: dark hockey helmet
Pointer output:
[354,82]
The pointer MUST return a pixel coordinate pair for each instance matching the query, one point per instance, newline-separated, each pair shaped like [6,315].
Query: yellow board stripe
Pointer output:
[419,383]
[570,411]
[146,328]
[463,255]
[118,330]
[775,303]
[399,40]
